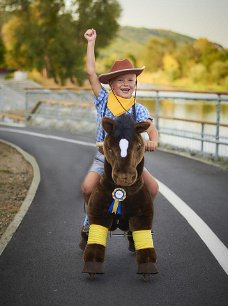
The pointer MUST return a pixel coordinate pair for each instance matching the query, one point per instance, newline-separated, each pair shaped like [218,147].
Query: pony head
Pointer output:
[124,148]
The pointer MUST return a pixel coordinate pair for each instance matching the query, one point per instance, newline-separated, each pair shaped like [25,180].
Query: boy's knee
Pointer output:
[154,189]
[85,189]
[90,182]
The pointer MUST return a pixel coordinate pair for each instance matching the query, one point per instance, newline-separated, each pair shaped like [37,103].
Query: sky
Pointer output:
[195,18]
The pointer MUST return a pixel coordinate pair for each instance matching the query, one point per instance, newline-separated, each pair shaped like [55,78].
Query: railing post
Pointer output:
[0,95]
[218,104]
[202,136]
[157,110]
[26,105]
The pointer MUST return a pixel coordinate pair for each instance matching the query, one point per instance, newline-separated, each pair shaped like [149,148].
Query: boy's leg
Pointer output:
[89,184]
[151,183]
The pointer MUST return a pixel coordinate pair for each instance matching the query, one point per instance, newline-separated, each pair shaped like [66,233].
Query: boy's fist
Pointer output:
[150,146]
[90,34]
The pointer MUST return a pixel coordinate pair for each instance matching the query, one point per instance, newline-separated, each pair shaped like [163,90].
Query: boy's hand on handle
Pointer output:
[150,145]
[90,35]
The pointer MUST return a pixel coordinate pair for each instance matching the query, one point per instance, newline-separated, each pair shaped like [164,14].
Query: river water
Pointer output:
[201,110]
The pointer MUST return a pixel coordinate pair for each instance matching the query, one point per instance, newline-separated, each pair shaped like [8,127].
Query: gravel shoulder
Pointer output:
[16,176]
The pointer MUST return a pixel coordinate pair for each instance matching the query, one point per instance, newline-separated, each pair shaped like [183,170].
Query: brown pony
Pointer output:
[121,198]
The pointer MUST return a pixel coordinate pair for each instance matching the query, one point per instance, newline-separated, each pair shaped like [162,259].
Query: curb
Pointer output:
[186,155]
[12,227]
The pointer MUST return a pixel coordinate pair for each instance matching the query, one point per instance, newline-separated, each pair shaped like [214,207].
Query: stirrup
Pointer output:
[85,227]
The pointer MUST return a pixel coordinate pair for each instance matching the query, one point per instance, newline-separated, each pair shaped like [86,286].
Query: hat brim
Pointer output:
[106,77]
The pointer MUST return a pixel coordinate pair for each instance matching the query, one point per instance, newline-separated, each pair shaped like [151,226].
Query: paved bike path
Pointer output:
[42,263]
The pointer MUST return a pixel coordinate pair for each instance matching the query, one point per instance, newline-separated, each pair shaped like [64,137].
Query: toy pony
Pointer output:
[121,198]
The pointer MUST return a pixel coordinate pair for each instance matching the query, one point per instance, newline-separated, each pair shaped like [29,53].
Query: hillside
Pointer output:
[132,40]
[171,59]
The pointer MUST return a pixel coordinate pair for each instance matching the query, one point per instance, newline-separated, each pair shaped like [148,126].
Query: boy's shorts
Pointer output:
[98,164]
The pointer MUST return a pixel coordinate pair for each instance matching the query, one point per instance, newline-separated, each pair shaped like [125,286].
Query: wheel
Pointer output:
[146,277]
[92,276]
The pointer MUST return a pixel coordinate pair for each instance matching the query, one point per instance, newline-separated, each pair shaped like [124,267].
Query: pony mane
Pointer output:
[124,127]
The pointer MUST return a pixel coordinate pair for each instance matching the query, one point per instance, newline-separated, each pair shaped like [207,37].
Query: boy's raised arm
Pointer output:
[91,35]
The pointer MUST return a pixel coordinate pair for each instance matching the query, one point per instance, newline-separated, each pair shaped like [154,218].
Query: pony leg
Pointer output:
[145,253]
[95,249]
[131,246]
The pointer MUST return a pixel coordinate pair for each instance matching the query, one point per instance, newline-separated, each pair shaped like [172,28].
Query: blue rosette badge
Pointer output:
[118,194]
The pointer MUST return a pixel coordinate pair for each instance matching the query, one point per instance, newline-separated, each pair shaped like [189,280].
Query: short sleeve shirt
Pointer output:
[141,112]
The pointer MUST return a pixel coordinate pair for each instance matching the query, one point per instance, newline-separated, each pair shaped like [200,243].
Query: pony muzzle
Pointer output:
[124,178]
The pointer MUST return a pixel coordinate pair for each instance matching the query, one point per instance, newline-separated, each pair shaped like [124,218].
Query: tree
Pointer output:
[101,15]
[15,5]
[186,56]
[2,52]
[41,34]
[171,67]
[219,71]
[155,51]
[207,52]
[198,74]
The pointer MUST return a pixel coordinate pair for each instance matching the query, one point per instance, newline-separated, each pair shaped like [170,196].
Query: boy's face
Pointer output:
[124,85]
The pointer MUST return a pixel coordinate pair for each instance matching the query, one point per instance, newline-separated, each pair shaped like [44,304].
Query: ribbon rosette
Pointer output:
[118,194]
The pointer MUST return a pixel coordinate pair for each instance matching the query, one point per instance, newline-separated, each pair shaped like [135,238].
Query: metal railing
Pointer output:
[215,96]
[50,102]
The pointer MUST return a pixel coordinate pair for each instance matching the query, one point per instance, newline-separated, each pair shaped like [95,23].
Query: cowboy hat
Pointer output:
[119,68]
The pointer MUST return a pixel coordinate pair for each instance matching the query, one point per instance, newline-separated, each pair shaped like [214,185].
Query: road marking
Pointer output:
[83,143]
[214,244]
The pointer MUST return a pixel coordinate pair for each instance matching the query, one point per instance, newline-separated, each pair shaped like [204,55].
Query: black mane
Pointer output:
[124,127]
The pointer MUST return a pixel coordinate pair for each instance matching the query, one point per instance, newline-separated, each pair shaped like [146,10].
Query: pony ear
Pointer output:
[108,124]
[142,126]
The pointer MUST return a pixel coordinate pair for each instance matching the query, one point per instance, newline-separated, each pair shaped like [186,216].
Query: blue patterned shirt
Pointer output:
[100,102]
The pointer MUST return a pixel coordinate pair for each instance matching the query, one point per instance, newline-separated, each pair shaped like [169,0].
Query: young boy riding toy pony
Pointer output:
[120,101]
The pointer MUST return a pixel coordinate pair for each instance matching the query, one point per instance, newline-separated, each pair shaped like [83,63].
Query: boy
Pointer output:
[122,80]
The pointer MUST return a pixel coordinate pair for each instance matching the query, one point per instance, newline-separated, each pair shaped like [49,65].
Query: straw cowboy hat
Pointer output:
[119,68]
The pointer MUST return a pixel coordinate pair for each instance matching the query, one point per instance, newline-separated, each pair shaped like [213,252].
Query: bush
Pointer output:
[198,74]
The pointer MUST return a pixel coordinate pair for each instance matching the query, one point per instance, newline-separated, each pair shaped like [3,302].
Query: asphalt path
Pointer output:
[42,264]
